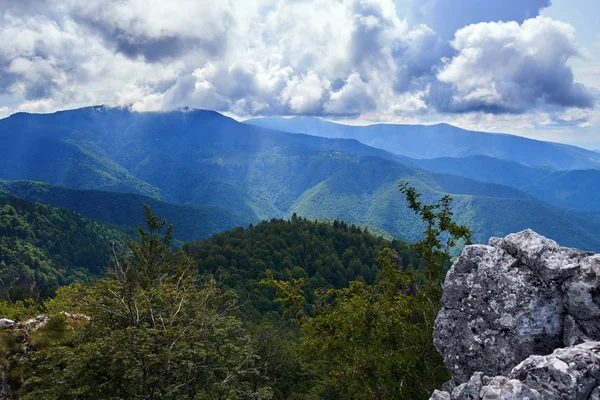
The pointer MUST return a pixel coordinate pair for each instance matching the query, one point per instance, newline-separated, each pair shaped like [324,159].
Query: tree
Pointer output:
[375,341]
[441,232]
[155,331]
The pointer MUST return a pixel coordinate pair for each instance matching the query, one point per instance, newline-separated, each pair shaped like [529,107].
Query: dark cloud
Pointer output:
[7,79]
[154,49]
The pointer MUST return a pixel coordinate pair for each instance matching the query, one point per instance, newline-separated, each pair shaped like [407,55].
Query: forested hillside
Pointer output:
[192,221]
[327,255]
[226,173]
[573,189]
[43,247]
[202,322]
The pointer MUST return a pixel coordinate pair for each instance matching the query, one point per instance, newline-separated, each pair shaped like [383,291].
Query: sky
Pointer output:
[528,67]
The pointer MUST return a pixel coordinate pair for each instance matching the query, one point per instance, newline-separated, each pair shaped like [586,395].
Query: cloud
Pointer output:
[447,16]
[281,57]
[157,29]
[353,98]
[504,67]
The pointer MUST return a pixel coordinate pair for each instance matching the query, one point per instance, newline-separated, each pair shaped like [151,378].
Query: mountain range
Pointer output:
[562,175]
[208,172]
[443,140]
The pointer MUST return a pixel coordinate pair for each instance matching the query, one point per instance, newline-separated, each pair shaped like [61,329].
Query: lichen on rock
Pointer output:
[520,319]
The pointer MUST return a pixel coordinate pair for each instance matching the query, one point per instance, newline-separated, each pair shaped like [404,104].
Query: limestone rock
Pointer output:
[582,296]
[571,373]
[495,313]
[520,319]
[502,388]
[34,324]
[518,296]
[439,395]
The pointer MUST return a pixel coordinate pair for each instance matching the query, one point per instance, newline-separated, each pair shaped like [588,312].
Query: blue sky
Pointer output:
[528,67]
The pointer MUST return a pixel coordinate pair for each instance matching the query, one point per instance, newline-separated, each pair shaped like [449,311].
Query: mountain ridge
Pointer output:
[203,158]
[450,141]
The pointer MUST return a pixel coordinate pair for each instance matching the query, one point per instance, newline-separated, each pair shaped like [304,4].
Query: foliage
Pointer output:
[323,255]
[155,331]
[20,310]
[438,221]
[193,222]
[43,247]
[376,341]
[368,341]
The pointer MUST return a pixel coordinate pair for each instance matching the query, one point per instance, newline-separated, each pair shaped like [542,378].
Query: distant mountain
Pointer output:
[443,140]
[361,194]
[575,190]
[203,158]
[42,247]
[193,221]
[485,169]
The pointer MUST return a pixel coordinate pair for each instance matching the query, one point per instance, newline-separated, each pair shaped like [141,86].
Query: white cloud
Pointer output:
[447,16]
[347,58]
[507,67]
[355,97]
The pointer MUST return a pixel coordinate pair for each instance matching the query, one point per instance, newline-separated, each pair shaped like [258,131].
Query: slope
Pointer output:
[191,221]
[443,140]
[369,195]
[202,157]
[575,189]
[42,247]
[325,254]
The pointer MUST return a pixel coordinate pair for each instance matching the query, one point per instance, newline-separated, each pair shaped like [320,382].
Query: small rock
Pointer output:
[7,324]
[34,324]
[502,388]
[469,390]
[568,373]
[438,395]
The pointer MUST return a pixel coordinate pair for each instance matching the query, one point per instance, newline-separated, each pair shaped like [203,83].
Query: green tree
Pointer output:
[441,232]
[375,341]
[155,331]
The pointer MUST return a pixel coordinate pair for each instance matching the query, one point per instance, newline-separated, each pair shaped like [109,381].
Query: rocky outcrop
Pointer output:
[520,319]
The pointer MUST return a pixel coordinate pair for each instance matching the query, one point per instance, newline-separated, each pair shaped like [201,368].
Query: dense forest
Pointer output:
[43,247]
[192,221]
[286,309]
[326,255]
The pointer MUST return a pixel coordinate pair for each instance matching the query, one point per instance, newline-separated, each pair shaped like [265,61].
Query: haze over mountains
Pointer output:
[442,140]
[560,174]
[207,173]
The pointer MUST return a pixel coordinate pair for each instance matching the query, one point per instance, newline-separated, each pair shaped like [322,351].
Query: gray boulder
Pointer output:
[519,296]
[34,324]
[571,373]
[520,319]
[7,323]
